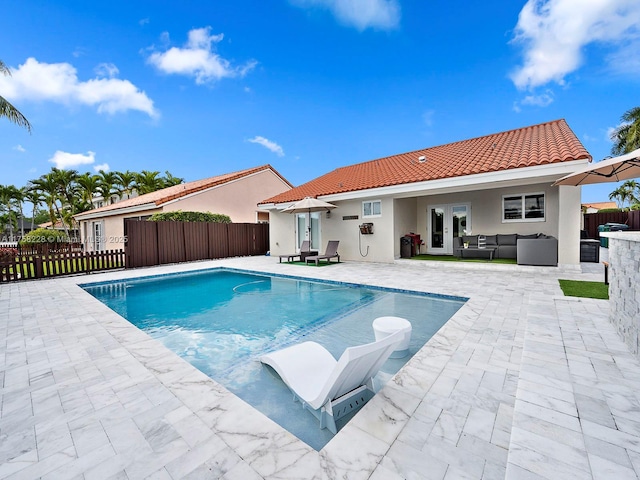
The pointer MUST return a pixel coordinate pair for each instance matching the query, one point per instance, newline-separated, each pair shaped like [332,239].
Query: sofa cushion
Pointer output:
[492,240]
[472,240]
[507,239]
[531,236]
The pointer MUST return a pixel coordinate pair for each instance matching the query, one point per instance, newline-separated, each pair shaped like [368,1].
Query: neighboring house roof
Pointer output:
[600,205]
[542,144]
[160,197]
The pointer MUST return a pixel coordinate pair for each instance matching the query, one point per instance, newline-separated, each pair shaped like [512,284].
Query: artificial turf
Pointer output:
[580,288]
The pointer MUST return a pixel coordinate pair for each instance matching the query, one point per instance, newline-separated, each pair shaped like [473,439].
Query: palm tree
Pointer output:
[106,186]
[8,196]
[633,191]
[147,182]
[626,138]
[9,111]
[169,180]
[47,186]
[126,183]
[19,200]
[33,196]
[89,185]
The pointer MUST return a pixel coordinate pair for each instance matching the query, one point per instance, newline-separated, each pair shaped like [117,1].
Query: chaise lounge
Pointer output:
[330,252]
[304,248]
[328,388]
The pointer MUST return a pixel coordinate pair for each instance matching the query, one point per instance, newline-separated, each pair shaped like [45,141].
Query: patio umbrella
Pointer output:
[615,169]
[308,205]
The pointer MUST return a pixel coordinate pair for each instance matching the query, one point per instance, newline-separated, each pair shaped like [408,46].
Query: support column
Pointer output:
[569,214]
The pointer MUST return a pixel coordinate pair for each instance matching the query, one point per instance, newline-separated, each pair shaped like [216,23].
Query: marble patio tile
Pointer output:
[386,414]
[240,471]
[77,467]
[546,390]
[416,432]
[551,403]
[412,464]
[53,440]
[576,457]
[484,449]
[608,451]
[515,472]
[541,465]
[603,469]
[494,471]
[456,457]
[552,416]
[197,455]
[479,423]
[18,463]
[45,466]
[353,456]
[88,436]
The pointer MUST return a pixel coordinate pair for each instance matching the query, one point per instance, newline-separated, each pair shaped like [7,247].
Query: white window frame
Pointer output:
[523,218]
[372,202]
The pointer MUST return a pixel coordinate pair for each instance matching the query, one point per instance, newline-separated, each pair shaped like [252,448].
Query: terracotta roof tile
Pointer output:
[160,197]
[542,144]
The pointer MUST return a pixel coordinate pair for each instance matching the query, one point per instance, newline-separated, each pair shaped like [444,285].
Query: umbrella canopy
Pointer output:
[624,167]
[308,205]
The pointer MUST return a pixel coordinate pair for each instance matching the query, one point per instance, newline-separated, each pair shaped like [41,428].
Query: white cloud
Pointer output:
[143,21]
[542,100]
[361,14]
[66,160]
[103,166]
[198,59]
[108,70]
[20,148]
[58,82]
[268,144]
[555,33]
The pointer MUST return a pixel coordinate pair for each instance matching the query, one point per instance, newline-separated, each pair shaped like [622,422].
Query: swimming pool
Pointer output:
[222,320]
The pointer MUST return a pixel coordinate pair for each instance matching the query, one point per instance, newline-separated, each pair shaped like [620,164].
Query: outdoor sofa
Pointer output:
[534,249]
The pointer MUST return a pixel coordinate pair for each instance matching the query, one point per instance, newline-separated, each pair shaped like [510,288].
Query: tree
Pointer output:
[147,182]
[106,186]
[126,183]
[625,193]
[626,138]
[8,197]
[88,187]
[33,196]
[170,180]
[47,187]
[9,111]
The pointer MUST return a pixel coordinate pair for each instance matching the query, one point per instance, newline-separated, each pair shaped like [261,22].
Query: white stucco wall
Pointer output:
[377,247]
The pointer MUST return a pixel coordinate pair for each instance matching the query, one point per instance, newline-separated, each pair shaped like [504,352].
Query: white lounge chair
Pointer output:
[328,388]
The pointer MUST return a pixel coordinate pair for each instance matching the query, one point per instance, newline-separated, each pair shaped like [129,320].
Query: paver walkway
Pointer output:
[522,383]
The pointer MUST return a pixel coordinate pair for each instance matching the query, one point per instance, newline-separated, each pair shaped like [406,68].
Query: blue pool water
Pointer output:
[222,320]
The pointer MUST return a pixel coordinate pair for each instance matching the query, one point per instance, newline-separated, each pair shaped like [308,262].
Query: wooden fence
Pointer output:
[26,266]
[158,243]
[593,220]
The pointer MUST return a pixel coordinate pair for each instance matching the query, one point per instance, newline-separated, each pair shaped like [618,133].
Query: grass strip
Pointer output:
[581,288]
[453,258]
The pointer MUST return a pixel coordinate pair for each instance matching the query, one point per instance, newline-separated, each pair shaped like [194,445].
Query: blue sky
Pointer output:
[202,88]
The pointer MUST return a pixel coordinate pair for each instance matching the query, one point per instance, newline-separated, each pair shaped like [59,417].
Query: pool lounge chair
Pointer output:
[330,252]
[328,388]
[304,248]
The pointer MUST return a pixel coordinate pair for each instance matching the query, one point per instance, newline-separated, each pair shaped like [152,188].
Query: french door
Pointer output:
[444,223]
[308,225]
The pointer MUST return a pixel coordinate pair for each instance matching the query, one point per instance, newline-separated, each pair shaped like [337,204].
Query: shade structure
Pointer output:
[615,169]
[308,205]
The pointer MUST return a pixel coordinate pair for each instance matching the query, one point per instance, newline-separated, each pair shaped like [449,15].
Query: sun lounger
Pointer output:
[328,388]
[329,253]
[304,248]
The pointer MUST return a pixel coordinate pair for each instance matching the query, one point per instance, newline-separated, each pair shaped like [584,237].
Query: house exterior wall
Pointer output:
[377,247]
[237,199]
[405,221]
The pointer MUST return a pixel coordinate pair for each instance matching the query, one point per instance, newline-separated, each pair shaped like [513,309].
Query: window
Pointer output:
[523,208]
[371,208]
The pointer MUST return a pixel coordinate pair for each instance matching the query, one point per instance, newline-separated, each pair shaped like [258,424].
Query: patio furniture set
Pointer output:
[535,249]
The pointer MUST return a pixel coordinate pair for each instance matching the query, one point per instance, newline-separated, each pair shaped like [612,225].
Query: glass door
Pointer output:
[308,225]
[444,223]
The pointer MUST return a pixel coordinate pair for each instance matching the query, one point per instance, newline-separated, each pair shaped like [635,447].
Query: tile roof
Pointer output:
[160,197]
[541,144]
[600,205]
